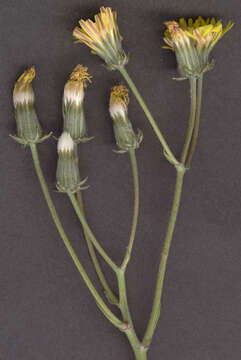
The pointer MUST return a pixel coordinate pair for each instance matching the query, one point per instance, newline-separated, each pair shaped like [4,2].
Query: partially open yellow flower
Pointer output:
[103,37]
[193,41]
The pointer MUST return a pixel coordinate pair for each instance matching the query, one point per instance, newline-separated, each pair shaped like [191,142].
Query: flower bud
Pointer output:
[125,137]
[67,174]
[73,111]
[28,126]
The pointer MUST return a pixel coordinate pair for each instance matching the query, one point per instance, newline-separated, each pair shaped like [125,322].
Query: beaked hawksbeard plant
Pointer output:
[192,42]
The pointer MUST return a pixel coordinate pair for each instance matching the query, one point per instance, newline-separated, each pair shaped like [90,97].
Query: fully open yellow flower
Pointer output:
[103,37]
[193,41]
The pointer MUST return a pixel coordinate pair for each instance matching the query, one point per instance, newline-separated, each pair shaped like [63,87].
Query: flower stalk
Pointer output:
[90,234]
[193,100]
[196,124]
[167,151]
[108,292]
[101,304]
[136,209]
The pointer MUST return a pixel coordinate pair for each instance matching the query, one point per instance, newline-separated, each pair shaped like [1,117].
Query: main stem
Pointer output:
[109,293]
[163,261]
[101,304]
[138,349]
[187,152]
[149,116]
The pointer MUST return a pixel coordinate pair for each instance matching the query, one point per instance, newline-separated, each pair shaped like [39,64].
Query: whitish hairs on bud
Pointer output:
[65,143]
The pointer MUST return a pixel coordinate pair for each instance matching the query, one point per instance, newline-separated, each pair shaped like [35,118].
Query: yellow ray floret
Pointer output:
[203,32]
[94,32]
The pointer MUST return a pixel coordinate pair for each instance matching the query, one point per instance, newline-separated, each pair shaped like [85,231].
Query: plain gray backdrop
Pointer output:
[46,312]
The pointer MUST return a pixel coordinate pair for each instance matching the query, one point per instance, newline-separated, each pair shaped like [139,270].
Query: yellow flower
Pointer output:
[193,41]
[103,37]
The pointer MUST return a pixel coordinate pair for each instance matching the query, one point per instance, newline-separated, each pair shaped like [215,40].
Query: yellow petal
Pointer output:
[183,23]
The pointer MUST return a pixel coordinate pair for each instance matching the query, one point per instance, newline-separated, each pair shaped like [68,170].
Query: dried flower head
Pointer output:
[119,100]
[28,127]
[126,139]
[73,111]
[103,37]
[192,42]
[74,88]
[23,90]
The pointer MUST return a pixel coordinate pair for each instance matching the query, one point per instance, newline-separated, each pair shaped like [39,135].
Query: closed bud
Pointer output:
[73,110]
[126,139]
[67,174]
[28,126]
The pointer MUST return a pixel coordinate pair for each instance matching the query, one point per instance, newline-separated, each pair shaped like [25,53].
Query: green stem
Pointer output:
[101,304]
[170,156]
[138,349]
[163,261]
[136,209]
[108,292]
[196,125]
[193,97]
[90,234]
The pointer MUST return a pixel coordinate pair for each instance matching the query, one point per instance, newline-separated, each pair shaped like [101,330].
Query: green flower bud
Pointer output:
[28,126]
[126,139]
[67,174]
[73,111]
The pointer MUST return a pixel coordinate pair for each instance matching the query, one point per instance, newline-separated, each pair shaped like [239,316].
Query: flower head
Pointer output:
[23,91]
[28,127]
[119,100]
[74,88]
[73,111]
[67,174]
[125,137]
[192,42]
[103,37]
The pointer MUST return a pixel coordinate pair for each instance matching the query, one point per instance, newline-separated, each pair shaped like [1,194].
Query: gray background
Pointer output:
[46,312]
